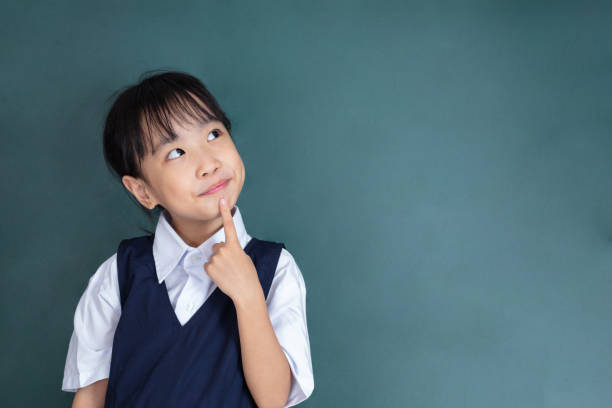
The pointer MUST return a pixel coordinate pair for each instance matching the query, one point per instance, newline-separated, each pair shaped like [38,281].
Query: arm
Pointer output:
[286,303]
[92,396]
[265,366]
[89,353]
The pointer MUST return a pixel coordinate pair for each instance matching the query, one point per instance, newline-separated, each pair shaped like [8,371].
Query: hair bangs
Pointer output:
[159,117]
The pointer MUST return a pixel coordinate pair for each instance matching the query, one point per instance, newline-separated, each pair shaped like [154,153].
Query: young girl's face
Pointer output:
[180,173]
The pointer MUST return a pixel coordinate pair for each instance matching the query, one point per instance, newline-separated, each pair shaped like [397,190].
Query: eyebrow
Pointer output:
[161,144]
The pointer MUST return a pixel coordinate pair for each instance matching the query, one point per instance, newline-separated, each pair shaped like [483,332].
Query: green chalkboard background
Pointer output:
[441,172]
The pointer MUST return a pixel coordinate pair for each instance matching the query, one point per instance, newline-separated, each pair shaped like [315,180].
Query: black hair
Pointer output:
[149,106]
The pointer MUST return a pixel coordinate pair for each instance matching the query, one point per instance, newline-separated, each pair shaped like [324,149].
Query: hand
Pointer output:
[229,266]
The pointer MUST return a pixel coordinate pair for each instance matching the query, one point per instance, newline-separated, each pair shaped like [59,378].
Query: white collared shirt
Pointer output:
[181,267]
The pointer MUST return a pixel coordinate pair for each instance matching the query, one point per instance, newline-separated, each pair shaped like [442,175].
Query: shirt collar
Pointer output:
[169,247]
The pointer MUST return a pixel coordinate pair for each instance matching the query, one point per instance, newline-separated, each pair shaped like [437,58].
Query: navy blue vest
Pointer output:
[155,361]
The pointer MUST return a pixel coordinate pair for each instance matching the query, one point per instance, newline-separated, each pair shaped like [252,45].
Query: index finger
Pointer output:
[228,223]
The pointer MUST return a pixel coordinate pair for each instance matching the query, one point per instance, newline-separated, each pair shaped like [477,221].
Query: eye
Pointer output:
[216,131]
[178,148]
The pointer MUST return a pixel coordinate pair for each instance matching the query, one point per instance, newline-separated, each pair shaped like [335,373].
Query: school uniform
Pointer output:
[153,322]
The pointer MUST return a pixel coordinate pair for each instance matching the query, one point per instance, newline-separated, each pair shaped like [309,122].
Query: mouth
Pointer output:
[216,188]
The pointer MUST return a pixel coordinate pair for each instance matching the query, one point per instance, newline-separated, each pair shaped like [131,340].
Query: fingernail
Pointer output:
[223,202]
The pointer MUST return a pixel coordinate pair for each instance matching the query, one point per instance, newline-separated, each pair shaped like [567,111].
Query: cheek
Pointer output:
[240,175]
[240,167]
[174,184]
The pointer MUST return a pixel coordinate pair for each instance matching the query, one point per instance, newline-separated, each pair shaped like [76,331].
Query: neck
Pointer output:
[194,233]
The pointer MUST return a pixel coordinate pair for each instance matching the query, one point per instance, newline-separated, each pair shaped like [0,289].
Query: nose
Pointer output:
[206,163]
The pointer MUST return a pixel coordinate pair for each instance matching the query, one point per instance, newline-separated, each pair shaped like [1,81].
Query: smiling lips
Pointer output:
[216,188]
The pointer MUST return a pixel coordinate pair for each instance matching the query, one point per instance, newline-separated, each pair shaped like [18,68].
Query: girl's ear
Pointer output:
[139,190]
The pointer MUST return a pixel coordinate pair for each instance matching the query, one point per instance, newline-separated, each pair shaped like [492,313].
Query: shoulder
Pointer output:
[106,274]
[286,260]
[98,309]
[137,245]
[102,287]
[103,270]
[288,274]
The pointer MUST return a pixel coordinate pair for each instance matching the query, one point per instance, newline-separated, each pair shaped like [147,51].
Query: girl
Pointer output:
[197,313]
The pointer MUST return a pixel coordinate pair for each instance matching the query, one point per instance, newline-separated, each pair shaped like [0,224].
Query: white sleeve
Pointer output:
[286,302]
[95,319]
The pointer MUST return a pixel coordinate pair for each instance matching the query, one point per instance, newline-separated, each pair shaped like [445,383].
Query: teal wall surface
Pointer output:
[440,171]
